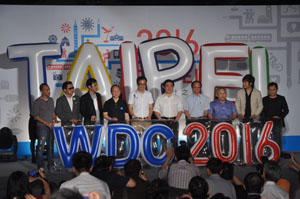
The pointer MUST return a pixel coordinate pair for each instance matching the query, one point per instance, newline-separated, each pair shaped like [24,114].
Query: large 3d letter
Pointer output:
[156,75]
[35,53]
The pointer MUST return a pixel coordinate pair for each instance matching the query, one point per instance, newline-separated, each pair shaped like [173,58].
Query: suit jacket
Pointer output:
[63,110]
[87,108]
[255,102]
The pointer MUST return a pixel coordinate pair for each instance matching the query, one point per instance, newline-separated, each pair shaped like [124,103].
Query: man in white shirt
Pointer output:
[168,106]
[140,105]
[271,175]
[84,181]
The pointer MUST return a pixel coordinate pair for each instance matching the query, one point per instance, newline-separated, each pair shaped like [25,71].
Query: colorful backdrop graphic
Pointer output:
[277,28]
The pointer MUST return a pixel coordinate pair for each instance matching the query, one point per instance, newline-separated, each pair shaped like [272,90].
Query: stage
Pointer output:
[64,174]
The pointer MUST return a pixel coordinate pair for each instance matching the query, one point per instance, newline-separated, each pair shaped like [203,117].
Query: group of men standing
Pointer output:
[168,108]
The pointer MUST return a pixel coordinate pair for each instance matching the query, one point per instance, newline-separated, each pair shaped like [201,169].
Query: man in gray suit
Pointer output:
[68,106]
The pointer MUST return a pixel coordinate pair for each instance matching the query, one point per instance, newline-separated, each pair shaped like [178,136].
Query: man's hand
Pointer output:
[240,115]
[93,118]
[276,117]
[50,125]
[253,116]
[94,195]
[114,119]
[143,176]
[170,151]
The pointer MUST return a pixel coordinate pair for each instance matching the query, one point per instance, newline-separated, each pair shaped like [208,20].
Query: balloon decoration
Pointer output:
[246,139]
[259,68]
[200,161]
[156,76]
[209,76]
[129,68]
[66,151]
[265,141]
[232,142]
[35,54]
[88,62]
[146,147]
[111,142]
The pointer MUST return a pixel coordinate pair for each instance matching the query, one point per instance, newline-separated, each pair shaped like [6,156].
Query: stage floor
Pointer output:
[64,174]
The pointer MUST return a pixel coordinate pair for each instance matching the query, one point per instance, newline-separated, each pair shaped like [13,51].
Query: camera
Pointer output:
[33,174]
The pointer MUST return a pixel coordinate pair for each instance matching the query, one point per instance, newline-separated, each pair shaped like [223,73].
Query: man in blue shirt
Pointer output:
[221,109]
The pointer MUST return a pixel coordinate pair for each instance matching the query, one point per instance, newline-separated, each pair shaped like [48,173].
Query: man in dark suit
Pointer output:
[91,104]
[68,106]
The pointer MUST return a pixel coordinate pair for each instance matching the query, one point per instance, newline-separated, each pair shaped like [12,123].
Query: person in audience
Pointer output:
[43,113]
[221,109]
[228,174]
[91,104]
[103,170]
[116,109]
[254,183]
[271,175]
[168,106]
[68,106]
[84,181]
[215,182]
[67,194]
[275,109]
[198,189]
[196,105]
[133,170]
[219,196]
[248,101]
[140,105]
[158,189]
[180,172]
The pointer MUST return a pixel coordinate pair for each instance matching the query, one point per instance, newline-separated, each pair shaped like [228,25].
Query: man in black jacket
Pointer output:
[91,104]
[275,109]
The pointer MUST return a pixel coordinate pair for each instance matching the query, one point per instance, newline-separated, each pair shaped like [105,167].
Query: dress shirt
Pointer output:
[271,190]
[140,102]
[70,101]
[222,111]
[196,105]
[86,183]
[168,106]
[217,184]
[180,174]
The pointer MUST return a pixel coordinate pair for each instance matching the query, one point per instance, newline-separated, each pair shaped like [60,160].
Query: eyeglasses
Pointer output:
[71,88]
[142,84]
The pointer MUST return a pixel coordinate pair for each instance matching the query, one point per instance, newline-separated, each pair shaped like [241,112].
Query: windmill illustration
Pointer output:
[107,31]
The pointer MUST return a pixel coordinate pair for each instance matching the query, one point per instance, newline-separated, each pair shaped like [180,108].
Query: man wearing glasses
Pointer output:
[140,105]
[68,106]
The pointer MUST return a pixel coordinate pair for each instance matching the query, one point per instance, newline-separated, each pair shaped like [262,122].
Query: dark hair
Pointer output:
[182,153]
[140,78]
[42,86]
[82,161]
[168,80]
[65,193]
[103,163]
[132,168]
[37,188]
[196,81]
[158,189]
[221,88]
[111,88]
[214,165]
[272,171]
[249,78]
[227,171]
[219,196]
[90,81]
[65,84]
[198,187]
[17,185]
[253,182]
[273,84]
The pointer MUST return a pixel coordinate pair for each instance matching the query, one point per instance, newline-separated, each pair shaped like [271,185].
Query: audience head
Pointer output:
[271,171]
[182,153]
[253,182]
[248,81]
[214,166]
[132,168]
[82,161]
[227,171]
[17,185]
[66,194]
[91,84]
[158,189]
[104,163]
[198,188]
[219,196]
